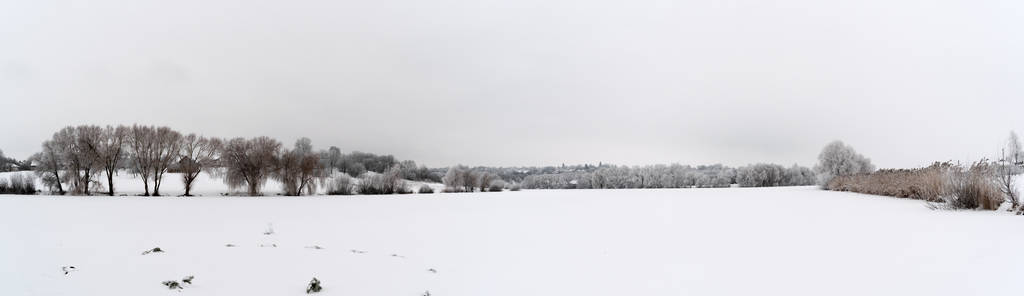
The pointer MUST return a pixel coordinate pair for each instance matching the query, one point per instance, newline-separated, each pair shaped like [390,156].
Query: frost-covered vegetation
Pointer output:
[982,184]
[672,176]
[81,159]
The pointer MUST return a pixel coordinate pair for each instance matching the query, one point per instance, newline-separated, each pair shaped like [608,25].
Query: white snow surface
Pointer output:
[730,241]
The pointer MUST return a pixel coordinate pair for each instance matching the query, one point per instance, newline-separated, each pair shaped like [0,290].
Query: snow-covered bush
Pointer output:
[459,179]
[838,159]
[341,185]
[425,189]
[388,182]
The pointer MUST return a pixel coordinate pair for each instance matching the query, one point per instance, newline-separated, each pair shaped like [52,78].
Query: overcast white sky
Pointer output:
[528,82]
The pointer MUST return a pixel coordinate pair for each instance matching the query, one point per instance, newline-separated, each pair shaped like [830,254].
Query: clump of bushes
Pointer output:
[389,182]
[515,187]
[425,189]
[341,185]
[18,184]
[496,187]
[929,183]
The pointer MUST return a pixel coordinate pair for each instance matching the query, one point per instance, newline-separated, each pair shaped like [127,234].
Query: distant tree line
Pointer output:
[672,176]
[76,158]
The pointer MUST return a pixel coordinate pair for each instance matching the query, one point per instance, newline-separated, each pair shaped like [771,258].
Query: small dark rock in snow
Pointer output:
[315,247]
[154,250]
[270,229]
[230,245]
[427,293]
[432,270]
[67,269]
[397,256]
[314,286]
[268,246]
[188,279]
[358,251]
[172,285]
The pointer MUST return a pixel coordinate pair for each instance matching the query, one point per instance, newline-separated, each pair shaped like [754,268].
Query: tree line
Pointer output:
[673,176]
[75,158]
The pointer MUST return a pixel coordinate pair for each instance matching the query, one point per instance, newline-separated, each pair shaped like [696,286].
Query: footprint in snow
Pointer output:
[358,251]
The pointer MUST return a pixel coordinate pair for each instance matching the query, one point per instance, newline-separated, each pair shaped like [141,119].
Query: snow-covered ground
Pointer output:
[732,241]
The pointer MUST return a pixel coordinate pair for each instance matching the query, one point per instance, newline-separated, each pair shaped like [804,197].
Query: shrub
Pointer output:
[341,185]
[515,187]
[496,188]
[425,189]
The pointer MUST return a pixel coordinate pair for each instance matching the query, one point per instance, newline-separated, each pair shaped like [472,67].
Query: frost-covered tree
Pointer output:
[838,159]
[1013,153]
[458,179]
[484,180]
[196,154]
[249,162]
[1011,160]
[299,169]
[141,148]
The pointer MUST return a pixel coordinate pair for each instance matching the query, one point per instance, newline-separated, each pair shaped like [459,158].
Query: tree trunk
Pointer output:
[110,182]
[56,174]
[188,186]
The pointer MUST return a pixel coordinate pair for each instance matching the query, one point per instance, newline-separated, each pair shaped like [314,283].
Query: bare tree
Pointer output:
[84,155]
[50,162]
[196,153]
[111,151]
[167,143]
[141,144]
[250,162]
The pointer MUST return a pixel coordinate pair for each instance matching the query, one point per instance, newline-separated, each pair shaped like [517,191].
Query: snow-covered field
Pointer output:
[734,241]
